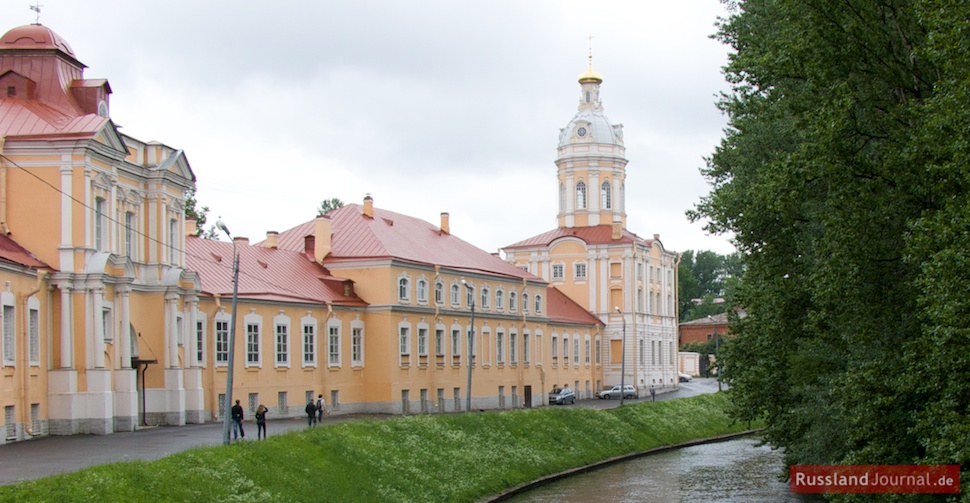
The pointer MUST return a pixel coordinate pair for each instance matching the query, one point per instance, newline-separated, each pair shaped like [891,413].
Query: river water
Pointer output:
[737,470]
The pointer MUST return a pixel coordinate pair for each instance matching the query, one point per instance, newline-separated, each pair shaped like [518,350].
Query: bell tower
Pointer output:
[590,162]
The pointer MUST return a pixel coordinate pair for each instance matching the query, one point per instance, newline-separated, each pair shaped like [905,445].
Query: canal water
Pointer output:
[738,470]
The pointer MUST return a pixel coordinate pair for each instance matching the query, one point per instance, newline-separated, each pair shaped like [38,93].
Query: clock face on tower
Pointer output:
[581,131]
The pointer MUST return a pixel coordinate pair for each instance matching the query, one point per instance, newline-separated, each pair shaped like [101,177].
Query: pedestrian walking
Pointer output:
[653,393]
[321,408]
[311,413]
[237,421]
[261,421]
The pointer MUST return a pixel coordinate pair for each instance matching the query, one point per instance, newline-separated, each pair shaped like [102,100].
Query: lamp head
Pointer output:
[222,226]
[618,309]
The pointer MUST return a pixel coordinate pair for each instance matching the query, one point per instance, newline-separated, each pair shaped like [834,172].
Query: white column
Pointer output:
[171,319]
[67,321]
[97,297]
[124,335]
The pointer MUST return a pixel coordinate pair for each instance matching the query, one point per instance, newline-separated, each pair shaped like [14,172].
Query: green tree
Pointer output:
[843,176]
[328,205]
[200,215]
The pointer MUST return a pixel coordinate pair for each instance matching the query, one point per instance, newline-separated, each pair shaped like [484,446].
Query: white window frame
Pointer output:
[581,195]
[334,342]
[513,347]
[499,299]
[513,300]
[403,288]
[576,349]
[538,301]
[439,340]
[587,356]
[281,337]
[455,295]
[606,195]
[456,344]
[253,324]
[404,341]
[558,272]
[357,339]
[198,339]
[423,331]
[130,235]
[500,347]
[484,298]
[525,302]
[221,337]
[526,357]
[439,293]
[580,271]
[422,288]
[555,346]
[33,328]
[9,319]
[100,226]
[308,340]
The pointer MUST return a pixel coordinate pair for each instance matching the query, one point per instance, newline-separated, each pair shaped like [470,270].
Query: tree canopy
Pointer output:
[844,178]
[328,205]
[707,276]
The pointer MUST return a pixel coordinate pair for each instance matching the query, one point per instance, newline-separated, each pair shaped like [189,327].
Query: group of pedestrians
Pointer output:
[237,421]
[316,410]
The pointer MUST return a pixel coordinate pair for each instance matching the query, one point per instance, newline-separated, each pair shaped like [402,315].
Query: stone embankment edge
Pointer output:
[508,493]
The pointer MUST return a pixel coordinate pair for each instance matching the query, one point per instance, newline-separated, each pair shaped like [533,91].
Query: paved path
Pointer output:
[45,456]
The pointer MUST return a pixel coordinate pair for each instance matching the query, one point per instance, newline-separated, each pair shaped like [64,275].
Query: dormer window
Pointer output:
[11,91]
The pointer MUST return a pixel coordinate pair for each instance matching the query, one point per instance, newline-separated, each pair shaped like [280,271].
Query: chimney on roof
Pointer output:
[272,240]
[241,241]
[656,237]
[617,227]
[445,225]
[321,238]
[191,227]
[368,206]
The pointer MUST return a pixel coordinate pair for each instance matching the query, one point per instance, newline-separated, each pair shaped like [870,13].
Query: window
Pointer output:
[555,347]
[579,270]
[470,295]
[252,344]
[598,351]
[422,291]
[562,198]
[282,345]
[9,324]
[422,341]
[439,341]
[456,344]
[565,350]
[557,272]
[512,301]
[333,343]
[309,341]
[439,293]
[172,237]
[33,319]
[538,303]
[403,289]
[485,294]
[222,342]
[499,299]
[525,302]
[513,347]
[99,224]
[606,196]
[586,351]
[129,234]
[525,348]
[199,340]
[455,298]
[405,339]
[576,350]
[357,343]
[500,347]
[581,195]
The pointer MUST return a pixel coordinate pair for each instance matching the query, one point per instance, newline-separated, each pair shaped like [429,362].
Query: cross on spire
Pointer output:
[590,38]
[36,8]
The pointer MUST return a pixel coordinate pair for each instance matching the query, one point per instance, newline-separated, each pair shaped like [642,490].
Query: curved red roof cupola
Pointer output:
[35,36]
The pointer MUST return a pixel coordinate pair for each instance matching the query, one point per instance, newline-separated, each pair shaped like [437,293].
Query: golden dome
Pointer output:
[590,75]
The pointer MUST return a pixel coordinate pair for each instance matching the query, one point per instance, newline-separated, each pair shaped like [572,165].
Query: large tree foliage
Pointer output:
[844,178]
[706,275]
[328,205]
[200,215]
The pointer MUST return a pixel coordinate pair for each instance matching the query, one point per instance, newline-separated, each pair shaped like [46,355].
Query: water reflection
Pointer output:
[734,471]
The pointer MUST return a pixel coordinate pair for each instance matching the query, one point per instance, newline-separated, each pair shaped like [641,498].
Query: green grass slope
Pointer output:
[449,458]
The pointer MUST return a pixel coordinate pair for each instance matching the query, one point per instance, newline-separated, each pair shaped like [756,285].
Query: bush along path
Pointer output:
[448,458]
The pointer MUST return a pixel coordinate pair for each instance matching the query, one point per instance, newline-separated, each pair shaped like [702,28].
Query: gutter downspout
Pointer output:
[25,386]
[3,189]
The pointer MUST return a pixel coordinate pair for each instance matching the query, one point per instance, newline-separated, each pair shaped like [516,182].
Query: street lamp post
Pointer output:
[471,354]
[717,347]
[622,356]
[226,427]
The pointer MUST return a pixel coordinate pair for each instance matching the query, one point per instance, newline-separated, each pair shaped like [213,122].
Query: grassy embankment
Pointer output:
[450,458]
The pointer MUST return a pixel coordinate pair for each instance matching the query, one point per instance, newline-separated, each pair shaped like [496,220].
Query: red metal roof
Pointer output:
[265,273]
[31,118]
[562,309]
[10,251]
[597,235]
[396,236]
[34,36]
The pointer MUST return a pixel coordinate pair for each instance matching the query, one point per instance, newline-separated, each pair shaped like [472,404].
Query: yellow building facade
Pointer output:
[115,315]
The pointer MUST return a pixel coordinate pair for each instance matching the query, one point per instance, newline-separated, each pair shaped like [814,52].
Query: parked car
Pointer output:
[684,377]
[562,396]
[629,391]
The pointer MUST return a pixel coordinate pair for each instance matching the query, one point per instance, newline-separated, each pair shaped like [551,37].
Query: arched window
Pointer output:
[402,289]
[562,198]
[606,196]
[485,294]
[538,303]
[422,290]
[581,195]
[525,302]
[512,301]
[439,292]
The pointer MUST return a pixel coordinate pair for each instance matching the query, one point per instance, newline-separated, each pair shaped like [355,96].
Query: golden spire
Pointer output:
[590,75]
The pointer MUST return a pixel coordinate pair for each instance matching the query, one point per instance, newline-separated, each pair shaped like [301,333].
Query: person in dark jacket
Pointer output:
[237,419]
[311,412]
[261,421]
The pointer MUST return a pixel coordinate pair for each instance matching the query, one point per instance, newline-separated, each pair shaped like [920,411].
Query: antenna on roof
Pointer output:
[36,8]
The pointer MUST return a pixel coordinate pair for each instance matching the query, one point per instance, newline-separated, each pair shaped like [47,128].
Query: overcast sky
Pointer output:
[429,106]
